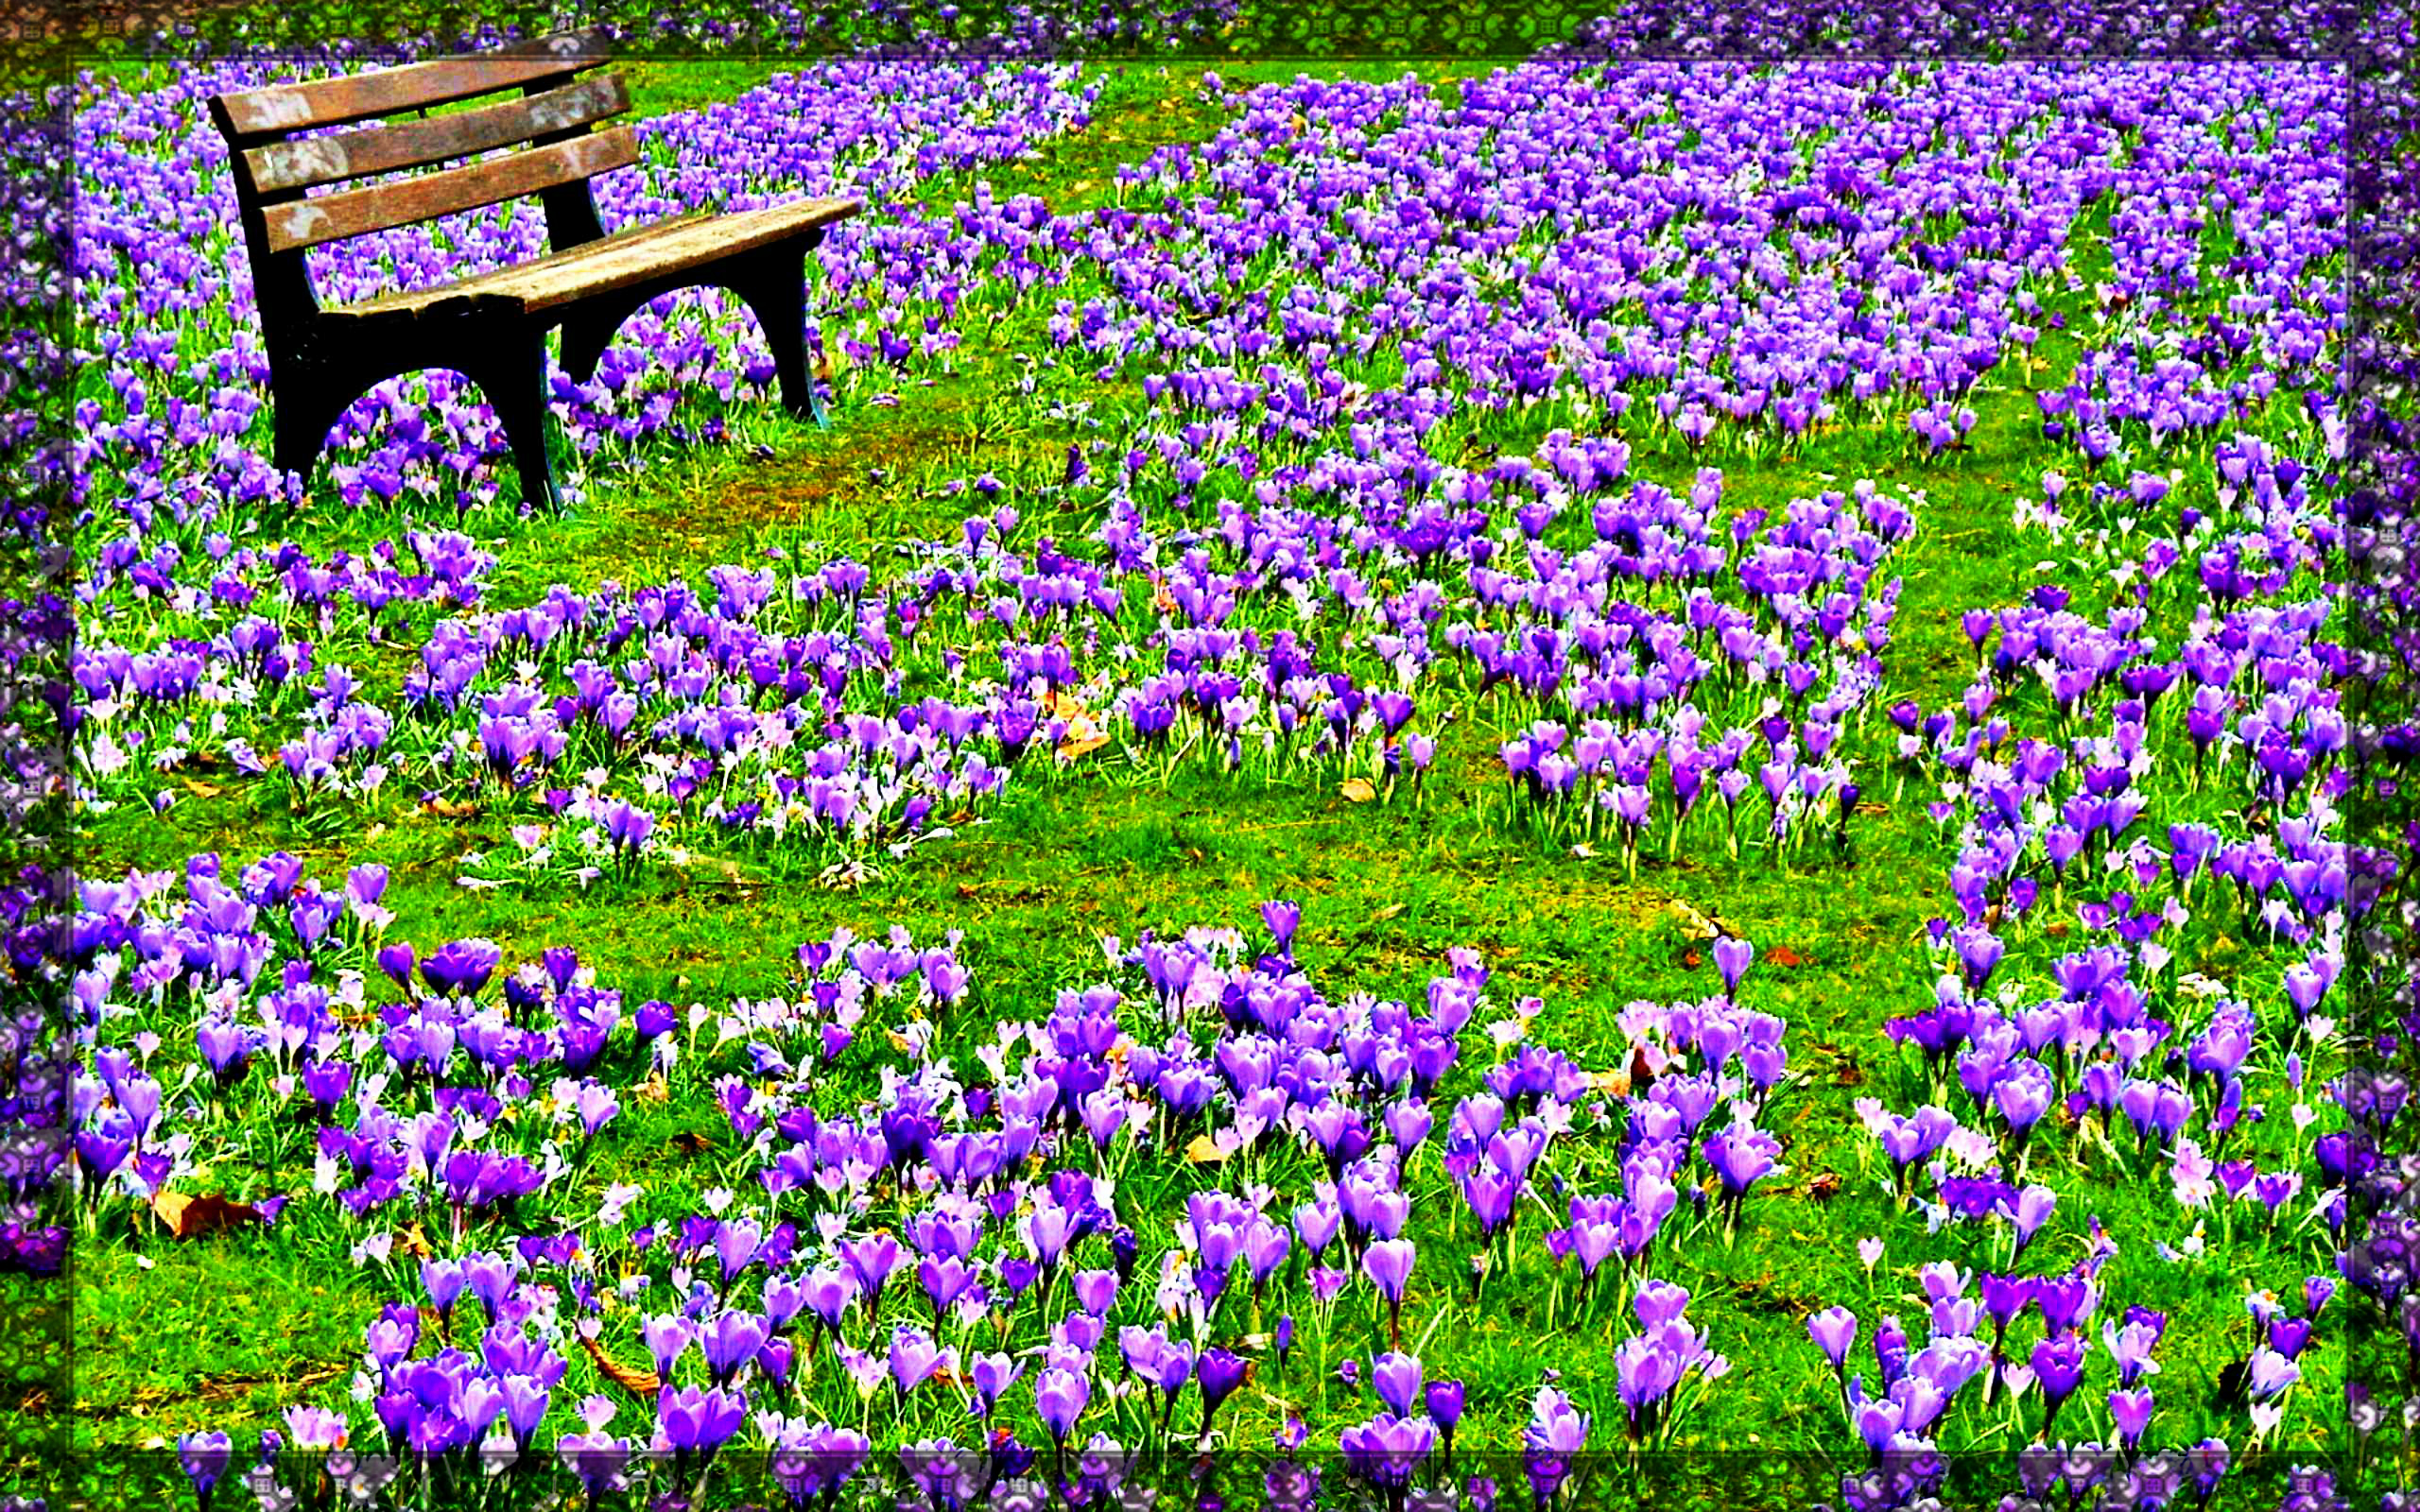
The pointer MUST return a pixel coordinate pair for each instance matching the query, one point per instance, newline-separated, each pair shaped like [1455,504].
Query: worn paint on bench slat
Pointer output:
[668,248]
[484,284]
[319,160]
[414,86]
[683,252]
[382,207]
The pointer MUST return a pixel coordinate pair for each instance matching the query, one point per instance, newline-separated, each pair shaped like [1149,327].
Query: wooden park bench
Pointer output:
[490,328]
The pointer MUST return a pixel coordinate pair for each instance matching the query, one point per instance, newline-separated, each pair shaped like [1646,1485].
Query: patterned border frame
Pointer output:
[1209,30]
[36,863]
[42,40]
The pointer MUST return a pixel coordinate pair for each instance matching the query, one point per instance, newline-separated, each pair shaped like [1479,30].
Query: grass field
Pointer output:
[229,1330]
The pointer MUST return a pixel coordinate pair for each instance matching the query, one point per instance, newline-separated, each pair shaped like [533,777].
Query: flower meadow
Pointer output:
[1756,500]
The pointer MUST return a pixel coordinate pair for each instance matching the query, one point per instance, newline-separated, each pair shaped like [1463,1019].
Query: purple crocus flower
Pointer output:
[1979,952]
[1388,1263]
[1218,1372]
[729,1341]
[667,1338]
[204,1456]
[1444,1400]
[461,967]
[696,1419]
[1556,1433]
[1095,1291]
[1397,1380]
[2130,1411]
[1060,1397]
[992,1375]
[1834,1332]
[2058,1368]
[595,1459]
[914,1357]
[443,1279]
[1387,1450]
[871,1261]
[1742,1155]
[1732,955]
[829,1292]
[1283,918]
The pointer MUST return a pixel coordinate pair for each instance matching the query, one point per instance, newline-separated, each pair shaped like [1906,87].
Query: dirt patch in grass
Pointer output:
[806,488]
[240,1384]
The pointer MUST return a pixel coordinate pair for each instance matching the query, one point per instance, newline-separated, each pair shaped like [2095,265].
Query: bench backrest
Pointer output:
[556,114]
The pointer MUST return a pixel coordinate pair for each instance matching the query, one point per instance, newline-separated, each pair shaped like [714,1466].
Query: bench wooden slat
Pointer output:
[319,160]
[381,207]
[619,262]
[282,107]
[414,301]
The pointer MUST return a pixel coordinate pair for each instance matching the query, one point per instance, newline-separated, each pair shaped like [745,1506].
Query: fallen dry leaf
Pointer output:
[1694,924]
[689,1141]
[1084,734]
[653,1089]
[1784,955]
[1387,912]
[414,1241]
[645,1383]
[1082,740]
[1357,790]
[1204,1151]
[845,876]
[446,808]
[186,1215]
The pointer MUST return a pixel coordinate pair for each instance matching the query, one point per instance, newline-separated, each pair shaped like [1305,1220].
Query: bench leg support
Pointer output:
[586,335]
[514,378]
[302,412]
[775,290]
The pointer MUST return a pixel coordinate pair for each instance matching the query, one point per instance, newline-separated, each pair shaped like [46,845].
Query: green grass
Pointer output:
[1387,889]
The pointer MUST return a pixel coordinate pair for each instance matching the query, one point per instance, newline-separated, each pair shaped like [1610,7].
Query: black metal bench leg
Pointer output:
[585,337]
[302,410]
[514,377]
[775,290]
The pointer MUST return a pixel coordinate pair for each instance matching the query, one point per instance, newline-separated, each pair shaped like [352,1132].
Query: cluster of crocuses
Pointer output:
[2161,758]
[1326,438]
[897,1252]
[1808,572]
[1336,304]
[1919,1386]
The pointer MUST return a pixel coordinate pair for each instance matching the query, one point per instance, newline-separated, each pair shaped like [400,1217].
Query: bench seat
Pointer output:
[621,260]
